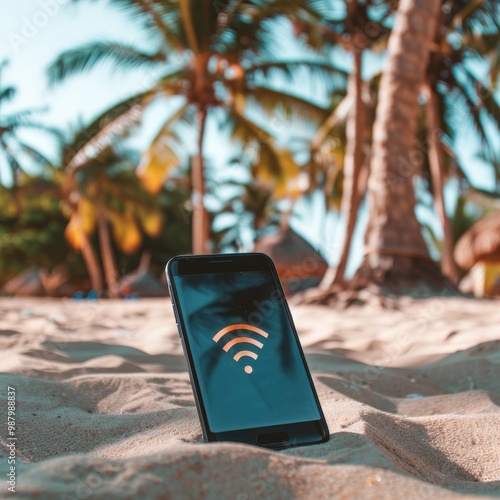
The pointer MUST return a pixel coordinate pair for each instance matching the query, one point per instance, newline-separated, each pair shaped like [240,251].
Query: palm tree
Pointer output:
[361,26]
[395,249]
[103,192]
[450,85]
[219,70]
[15,153]
[252,207]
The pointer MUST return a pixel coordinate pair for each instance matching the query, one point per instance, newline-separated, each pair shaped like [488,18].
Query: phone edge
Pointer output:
[187,355]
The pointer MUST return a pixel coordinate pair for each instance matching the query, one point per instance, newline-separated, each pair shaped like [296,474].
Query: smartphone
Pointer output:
[247,368]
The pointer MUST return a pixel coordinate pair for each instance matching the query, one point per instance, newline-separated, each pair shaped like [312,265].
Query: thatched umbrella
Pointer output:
[141,282]
[298,263]
[26,284]
[481,243]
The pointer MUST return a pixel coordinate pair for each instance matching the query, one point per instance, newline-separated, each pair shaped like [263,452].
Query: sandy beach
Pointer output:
[104,407]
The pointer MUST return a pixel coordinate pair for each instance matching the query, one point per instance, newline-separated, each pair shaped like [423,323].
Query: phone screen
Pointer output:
[249,367]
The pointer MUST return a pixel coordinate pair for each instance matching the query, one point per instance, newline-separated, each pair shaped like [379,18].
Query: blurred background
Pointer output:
[135,130]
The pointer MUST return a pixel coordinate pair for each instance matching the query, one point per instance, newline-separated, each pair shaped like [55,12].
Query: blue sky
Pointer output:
[69,26]
[34,32]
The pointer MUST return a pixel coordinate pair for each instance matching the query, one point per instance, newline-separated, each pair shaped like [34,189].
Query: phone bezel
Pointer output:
[300,433]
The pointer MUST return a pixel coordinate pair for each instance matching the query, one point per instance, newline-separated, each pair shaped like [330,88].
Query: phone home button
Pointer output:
[273,438]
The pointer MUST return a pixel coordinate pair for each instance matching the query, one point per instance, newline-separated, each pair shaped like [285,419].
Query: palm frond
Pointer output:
[7,94]
[432,236]
[473,118]
[164,151]
[169,83]
[292,71]
[481,197]
[53,131]
[158,18]
[116,121]
[322,9]
[265,35]
[337,117]
[492,157]
[482,43]
[164,18]
[486,98]
[446,127]
[11,159]
[181,117]
[81,59]
[474,16]
[288,106]
[37,155]
[466,109]
[274,166]
[18,118]
[253,25]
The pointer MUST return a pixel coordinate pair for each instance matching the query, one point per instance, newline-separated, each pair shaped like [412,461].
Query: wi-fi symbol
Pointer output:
[239,340]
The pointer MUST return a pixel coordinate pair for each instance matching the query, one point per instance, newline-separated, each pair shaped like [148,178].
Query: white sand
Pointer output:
[105,408]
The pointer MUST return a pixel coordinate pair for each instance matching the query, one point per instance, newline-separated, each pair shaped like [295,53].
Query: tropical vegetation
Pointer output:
[226,67]
[388,135]
[17,155]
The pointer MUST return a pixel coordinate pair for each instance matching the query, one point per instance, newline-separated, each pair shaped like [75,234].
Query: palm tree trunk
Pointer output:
[448,266]
[201,226]
[395,250]
[108,260]
[18,203]
[91,263]
[353,162]
[89,258]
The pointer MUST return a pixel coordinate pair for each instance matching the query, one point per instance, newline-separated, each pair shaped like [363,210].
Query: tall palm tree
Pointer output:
[451,86]
[360,26]
[16,153]
[205,53]
[394,246]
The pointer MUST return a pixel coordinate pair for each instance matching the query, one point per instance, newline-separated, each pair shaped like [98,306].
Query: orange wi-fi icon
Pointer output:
[239,340]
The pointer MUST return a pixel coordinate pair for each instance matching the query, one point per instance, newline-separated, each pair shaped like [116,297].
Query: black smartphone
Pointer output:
[249,374]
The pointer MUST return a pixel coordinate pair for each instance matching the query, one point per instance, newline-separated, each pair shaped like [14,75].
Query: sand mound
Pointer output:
[105,408]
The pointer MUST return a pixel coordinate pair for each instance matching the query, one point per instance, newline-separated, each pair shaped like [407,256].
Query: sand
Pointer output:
[104,407]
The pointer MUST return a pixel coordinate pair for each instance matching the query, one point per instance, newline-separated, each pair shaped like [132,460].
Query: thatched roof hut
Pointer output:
[481,243]
[26,284]
[141,282]
[298,263]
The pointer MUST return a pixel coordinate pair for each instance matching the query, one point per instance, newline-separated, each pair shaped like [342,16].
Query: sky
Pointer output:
[34,32]
[31,38]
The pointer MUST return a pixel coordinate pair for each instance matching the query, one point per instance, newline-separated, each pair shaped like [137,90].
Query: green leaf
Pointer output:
[86,57]
[95,137]
[161,155]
